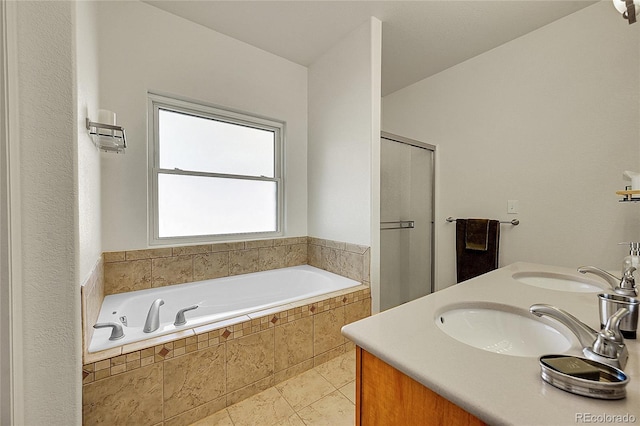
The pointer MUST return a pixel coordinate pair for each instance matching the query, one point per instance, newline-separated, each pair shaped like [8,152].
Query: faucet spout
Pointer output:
[585,334]
[612,280]
[153,317]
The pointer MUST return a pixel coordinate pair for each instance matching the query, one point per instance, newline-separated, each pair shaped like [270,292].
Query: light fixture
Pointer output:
[106,135]
[628,8]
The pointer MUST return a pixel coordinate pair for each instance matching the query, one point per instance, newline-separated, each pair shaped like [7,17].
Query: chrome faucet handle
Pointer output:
[180,319]
[627,283]
[116,329]
[610,344]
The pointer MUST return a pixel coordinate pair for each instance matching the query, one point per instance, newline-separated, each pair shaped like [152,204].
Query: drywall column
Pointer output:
[51,331]
[549,119]
[88,158]
[344,141]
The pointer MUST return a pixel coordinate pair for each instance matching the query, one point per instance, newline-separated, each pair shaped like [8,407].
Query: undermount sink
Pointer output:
[560,282]
[502,329]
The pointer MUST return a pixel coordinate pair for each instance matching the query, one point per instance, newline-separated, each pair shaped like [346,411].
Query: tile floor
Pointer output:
[323,396]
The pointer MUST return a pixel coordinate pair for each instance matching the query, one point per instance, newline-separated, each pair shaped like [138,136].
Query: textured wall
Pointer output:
[549,119]
[50,296]
[143,48]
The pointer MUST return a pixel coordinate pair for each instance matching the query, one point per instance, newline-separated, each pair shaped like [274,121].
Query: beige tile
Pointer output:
[305,389]
[349,390]
[134,397]
[210,265]
[293,420]
[193,379]
[248,391]
[249,359]
[221,418]
[272,257]
[186,250]
[290,372]
[148,253]
[258,244]
[314,254]
[172,270]
[296,254]
[334,409]
[265,408]
[350,265]
[339,371]
[113,256]
[243,261]
[121,277]
[227,246]
[329,355]
[200,414]
[326,330]
[357,310]
[294,343]
[330,259]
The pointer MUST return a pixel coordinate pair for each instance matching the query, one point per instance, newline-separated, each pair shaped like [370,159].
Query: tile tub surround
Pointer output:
[181,381]
[123,271]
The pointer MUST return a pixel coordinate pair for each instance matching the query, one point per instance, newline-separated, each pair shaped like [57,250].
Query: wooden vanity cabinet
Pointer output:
[387,397]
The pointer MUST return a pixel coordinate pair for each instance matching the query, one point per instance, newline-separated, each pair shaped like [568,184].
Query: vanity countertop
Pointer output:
[498,389]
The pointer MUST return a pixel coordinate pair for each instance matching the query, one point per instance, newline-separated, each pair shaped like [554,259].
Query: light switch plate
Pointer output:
[512,206]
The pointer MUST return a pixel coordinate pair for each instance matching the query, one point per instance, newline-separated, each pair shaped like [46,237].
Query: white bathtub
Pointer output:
[217,299]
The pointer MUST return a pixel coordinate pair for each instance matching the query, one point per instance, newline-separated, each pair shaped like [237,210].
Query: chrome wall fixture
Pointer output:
[106,135]
[513,221]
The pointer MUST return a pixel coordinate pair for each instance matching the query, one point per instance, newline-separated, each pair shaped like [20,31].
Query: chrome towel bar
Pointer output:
[513,222]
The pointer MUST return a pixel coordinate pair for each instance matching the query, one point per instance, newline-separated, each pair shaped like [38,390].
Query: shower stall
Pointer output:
[406,220]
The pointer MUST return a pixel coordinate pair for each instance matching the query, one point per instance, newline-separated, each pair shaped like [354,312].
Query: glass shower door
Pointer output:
[406,220]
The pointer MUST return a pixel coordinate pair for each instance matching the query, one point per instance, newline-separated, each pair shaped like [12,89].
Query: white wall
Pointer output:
[549,119]
[342,88]
[51,331]
[89,246]
[142,48]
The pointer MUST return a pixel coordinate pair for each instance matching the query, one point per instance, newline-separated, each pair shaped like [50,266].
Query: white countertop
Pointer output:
[498,389]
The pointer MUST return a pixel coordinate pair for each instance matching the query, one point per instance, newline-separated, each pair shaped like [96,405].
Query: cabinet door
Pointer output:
[386,397]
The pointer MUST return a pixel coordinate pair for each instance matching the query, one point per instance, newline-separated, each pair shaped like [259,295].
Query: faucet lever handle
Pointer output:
[116,329]
[180,319]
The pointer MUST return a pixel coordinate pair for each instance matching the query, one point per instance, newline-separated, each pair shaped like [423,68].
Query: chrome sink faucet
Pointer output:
[625,286]
[153,317]
[606,345]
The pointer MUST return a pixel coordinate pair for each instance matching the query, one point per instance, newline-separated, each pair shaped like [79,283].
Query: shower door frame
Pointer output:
[433,148]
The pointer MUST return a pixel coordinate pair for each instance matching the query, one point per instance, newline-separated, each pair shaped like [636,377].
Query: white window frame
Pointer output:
[157,102]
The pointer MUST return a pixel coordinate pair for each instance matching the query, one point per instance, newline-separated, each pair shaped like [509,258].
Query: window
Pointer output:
[215,174]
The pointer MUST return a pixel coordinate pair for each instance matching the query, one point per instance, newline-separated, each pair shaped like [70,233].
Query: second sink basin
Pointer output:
[503,330]
[560,282]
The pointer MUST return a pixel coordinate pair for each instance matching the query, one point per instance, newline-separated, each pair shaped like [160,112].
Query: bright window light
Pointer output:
[215,174]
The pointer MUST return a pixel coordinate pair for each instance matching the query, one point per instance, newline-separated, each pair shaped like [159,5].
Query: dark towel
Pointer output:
[471,263]
[477,234]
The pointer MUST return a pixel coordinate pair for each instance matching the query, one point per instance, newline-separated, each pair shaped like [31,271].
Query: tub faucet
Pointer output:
[606,345]
[625,286]
[180,319]
[153,317]
[116,329]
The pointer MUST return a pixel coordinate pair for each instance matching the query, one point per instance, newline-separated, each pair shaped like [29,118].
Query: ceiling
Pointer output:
[420,38]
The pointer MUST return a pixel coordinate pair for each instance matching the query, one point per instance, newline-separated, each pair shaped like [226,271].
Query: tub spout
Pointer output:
[153,317]
[180,319]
